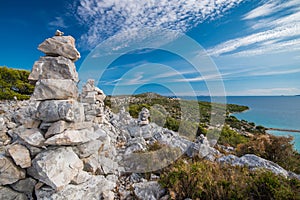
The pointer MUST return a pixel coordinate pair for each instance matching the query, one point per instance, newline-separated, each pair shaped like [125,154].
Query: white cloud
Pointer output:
[58,23]
[108,17]
[271,48]
[263,10]
[272,34]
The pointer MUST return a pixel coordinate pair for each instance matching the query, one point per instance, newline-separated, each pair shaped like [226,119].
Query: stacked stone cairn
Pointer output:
[56,148]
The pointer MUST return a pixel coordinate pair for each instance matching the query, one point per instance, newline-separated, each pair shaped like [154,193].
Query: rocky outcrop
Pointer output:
[254,162]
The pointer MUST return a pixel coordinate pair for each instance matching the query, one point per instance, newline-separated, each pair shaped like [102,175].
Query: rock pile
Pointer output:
[56,143]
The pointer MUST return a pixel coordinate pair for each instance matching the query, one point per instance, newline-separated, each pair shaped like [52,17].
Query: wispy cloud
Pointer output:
[261,11]
[272,34]
[108,17]
[58,23]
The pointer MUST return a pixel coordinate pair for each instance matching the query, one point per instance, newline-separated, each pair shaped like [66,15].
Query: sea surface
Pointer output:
[269,111]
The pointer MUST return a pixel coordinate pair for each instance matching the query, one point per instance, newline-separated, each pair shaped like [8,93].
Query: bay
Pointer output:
[281,112]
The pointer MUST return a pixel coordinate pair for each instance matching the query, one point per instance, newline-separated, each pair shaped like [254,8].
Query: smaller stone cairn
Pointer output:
[143,117]
[93,100]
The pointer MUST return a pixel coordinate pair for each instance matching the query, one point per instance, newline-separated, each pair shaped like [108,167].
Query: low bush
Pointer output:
[274,148]
[208,180]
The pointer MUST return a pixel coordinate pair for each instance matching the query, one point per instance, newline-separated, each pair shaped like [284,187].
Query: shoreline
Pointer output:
[283,130]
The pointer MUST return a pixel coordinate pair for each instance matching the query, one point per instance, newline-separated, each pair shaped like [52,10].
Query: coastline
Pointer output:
[283,130]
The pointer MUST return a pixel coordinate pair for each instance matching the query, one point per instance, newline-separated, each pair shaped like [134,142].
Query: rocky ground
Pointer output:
[64,145]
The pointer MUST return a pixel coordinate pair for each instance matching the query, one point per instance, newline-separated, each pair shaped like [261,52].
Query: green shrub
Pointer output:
[14,83]
[208,180]
[274,148]
[227,137]
[172,124]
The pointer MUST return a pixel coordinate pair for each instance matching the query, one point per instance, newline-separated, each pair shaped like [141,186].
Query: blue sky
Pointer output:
[251,47]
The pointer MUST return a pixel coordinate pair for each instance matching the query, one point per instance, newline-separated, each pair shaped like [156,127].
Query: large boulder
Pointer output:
[9,172]
[53,68]
[20,155]
[55,89]
[97,187]
[253,162]
[8,194]
[55,110]
[60,46]
[56,167]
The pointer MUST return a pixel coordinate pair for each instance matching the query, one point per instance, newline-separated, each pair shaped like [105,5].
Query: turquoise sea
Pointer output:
[275,112]
[270,111]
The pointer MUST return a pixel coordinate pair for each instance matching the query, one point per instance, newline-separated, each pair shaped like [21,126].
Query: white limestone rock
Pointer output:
[60,46]
[92,94]
[55,110]
[148,190]
[61,126]
[2,123]
[53,68]
[75,137]
[9,172]
[254,162]
[57,168]
[31,136]
[54,89]
[20,155]
[99,164]
[95,188]
[87,149]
